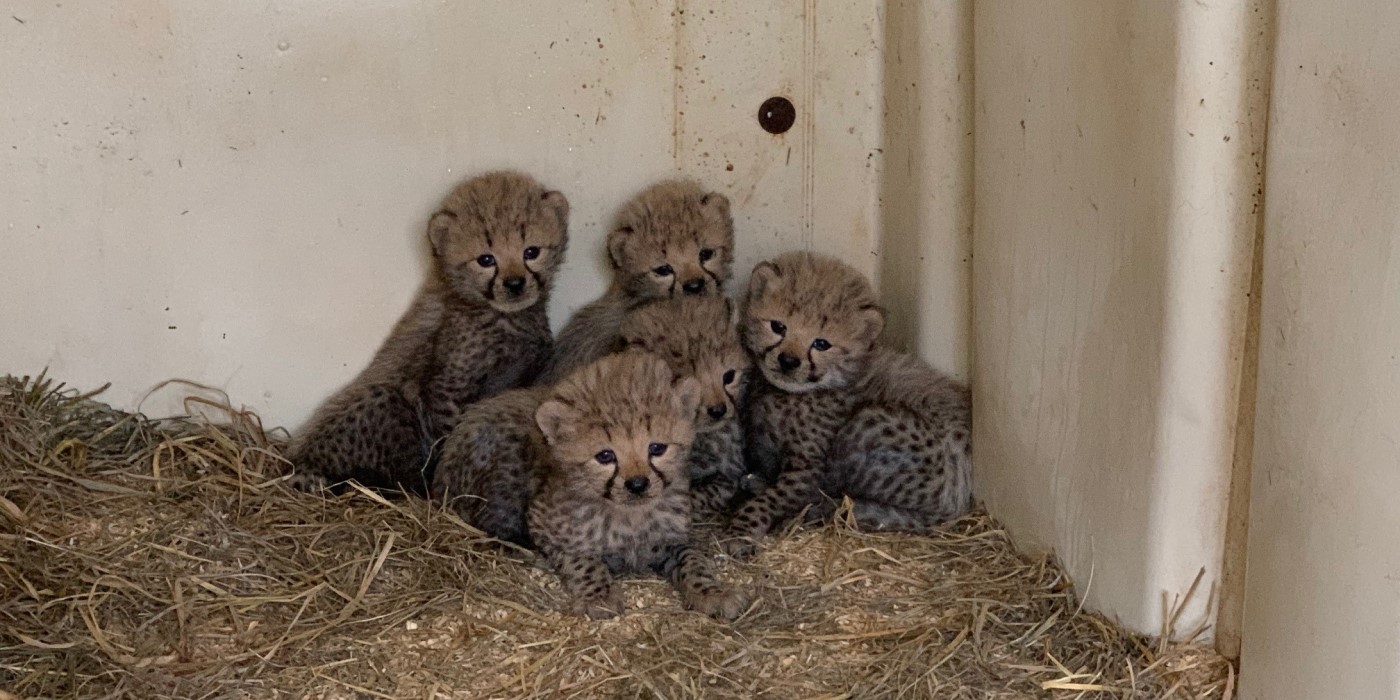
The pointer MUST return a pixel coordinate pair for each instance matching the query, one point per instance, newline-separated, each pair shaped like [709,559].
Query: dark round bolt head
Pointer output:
[776,115]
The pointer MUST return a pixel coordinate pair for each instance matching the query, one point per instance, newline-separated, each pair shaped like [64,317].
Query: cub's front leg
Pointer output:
[717,466]
[693,578]
[788,437]
[587,581]
[796,489]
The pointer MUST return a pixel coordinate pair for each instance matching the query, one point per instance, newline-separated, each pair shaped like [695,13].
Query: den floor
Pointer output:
[169,560]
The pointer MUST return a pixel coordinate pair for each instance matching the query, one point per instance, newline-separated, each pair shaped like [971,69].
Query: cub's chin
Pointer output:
[706,424]
[634,501]
[796,384]
[510,306]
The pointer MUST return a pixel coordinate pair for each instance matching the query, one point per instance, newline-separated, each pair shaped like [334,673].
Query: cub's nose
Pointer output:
[514,285]
[637,484]
[695,286]
[788,362]
[717,411]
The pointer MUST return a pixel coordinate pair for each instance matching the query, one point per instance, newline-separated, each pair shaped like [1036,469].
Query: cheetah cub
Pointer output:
[835,415]
[495,459]
[477,327]
[697,337]
[616,498]
[492,462]
[670,240]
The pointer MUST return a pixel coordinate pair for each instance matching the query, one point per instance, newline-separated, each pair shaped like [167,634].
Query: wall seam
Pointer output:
[1229,622]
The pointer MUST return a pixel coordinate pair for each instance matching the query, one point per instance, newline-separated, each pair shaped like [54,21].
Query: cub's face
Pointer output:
[620,429]
[809,331]
[674,239]
[722,380]
[500,237]
[697,338]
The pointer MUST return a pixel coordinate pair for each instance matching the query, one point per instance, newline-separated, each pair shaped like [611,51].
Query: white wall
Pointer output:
[926,180]
[1322,606]
[235,193]
[1115,177]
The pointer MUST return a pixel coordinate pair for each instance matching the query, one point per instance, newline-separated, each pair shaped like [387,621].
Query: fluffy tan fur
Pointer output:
[621,404]
[476,328]
[496,457]
[616,497]
[493,462]
[672,239]
[499,237]
[801,302]
[835,415]
[696,336]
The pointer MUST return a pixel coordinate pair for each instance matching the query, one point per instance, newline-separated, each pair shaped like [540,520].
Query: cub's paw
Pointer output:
[739,546]
[308,481]
[752,484]
[720,603]
[598,608]
[820,512]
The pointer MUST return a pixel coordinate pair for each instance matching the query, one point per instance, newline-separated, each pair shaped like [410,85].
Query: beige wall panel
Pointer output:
[926,180]
[1322,605]
[1115,185]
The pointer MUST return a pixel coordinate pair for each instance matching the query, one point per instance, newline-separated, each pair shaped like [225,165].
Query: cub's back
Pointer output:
[899,379]
[492,462]
[591,333]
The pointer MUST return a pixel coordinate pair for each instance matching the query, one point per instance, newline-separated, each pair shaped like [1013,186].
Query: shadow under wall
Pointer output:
[926,180]
[1074,186]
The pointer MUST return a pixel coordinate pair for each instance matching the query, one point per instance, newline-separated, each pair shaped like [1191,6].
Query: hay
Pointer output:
[167,559]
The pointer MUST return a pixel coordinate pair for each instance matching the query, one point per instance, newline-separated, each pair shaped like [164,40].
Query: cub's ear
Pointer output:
[686,396]
[762,278]
[439,228]
[717,204]
[556,201]
[870,322]
[617,245]
[716,208]
[552,416]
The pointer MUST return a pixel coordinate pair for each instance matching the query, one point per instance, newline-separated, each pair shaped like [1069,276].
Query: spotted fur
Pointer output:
[477,327]
[615,497]
[494,459]
[697,337]
[672,239]
[835,415]
[492,462]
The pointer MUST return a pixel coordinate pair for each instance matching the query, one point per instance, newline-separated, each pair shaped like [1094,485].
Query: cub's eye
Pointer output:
[729,377]
[778,327]
[531,253]
[821,344]
[664,270]
[656,449]
[486,260]
[606,457]
[706,254]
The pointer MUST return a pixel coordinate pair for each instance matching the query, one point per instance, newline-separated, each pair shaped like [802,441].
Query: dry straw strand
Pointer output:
[167,558]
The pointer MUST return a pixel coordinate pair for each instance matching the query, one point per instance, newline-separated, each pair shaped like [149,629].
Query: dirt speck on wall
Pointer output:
[272,167]
[272,170]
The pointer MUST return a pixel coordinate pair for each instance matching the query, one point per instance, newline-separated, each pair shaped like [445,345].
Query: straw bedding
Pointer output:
[167,559]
